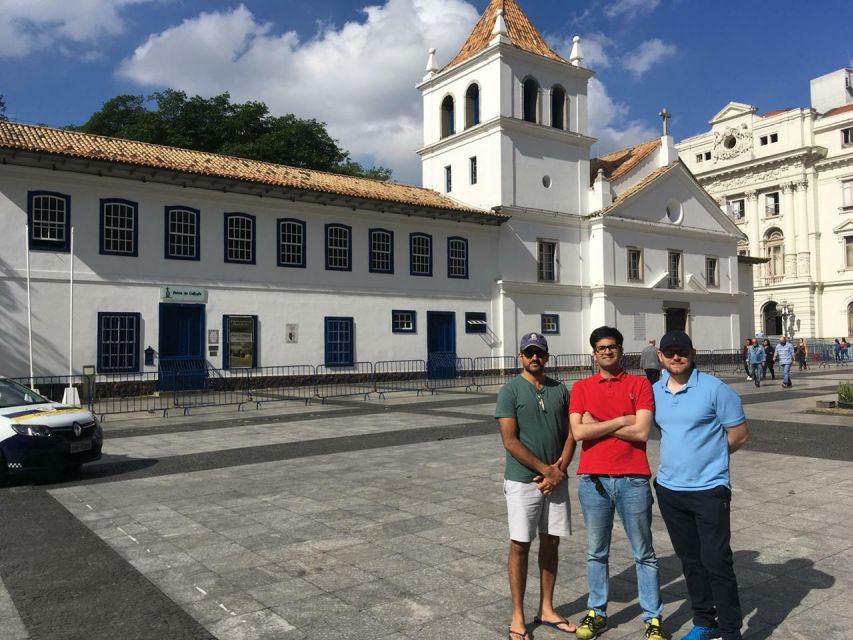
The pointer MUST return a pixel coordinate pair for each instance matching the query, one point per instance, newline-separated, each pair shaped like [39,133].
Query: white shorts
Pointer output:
[528,511]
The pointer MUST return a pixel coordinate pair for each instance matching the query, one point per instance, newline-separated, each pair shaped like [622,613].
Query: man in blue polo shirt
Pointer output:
[701,423]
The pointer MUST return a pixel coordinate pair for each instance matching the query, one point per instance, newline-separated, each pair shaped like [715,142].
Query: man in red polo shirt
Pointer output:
[611,414]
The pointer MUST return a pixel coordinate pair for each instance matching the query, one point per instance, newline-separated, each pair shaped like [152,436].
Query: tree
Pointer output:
[217,125]
[2,108]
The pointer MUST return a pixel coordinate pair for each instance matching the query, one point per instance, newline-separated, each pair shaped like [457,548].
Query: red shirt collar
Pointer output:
[619,376]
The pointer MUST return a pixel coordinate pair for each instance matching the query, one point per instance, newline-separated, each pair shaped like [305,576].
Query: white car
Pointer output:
[39,435]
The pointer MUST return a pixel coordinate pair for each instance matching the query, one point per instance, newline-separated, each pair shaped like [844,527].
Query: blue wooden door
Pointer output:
[441,344]
[182,363]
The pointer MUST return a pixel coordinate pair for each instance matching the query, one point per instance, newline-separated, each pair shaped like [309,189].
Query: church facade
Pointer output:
[175,254]
[785,177]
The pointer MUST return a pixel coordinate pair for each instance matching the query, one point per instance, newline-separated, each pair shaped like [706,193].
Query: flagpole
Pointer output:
[29,301]
[71,396]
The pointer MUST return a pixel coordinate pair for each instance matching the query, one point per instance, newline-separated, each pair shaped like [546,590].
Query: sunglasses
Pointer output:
[607,347]
[529,353]
[671,353]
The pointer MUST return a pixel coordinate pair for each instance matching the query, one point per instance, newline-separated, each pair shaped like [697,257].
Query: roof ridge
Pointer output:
[520,32]
[624,149]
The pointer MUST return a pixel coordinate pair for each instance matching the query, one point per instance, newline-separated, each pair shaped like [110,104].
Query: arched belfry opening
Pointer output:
[472,106]
[530,100]
[448,117]
[559,108]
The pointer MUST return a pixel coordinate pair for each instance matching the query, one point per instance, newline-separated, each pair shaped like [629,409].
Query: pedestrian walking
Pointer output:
[845,350]
[744,357]
[701,423]
[784,355]
[768,360]
[610,412]
[836,348]
[649,362]
[755,356]
[532,413]
[801,352]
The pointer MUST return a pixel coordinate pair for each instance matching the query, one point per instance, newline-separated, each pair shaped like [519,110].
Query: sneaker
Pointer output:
[654,630]
[749,377]
[591,626]
[703,633]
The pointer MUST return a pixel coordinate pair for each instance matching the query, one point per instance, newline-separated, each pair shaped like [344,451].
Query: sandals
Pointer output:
[519,635]
[556,624]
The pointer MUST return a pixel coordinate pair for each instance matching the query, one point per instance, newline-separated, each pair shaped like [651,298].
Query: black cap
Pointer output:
[675,339]
[533,340]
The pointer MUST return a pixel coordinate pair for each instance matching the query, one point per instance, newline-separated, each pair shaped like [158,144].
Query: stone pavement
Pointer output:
[408,540]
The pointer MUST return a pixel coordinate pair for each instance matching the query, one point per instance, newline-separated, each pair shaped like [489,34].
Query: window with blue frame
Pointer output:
[475,322]
[381,251]
[239,342]
[118,342]
[291,243]
[339,339]
[240,238]
[183,233]
[338,247]
[119,227]
[49,219]
[420,254]
[457,257]
[550,323]
[403,321]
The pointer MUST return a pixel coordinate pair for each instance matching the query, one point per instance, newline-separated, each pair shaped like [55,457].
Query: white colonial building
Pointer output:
[179,254]
[786,178]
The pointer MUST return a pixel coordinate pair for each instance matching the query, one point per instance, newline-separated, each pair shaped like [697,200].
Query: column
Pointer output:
[753,232]
[789,230]
[803,213]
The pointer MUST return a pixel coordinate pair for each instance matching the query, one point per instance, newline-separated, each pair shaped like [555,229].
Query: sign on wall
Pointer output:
[241,341]
[177,293]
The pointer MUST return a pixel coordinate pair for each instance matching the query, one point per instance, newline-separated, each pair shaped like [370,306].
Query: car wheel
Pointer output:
[4,470]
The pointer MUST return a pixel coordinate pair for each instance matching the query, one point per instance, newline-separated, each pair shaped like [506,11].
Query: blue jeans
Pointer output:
[786,373]
[631,496]
[756,373]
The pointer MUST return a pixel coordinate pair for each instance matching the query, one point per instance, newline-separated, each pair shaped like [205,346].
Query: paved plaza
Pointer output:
[385,519]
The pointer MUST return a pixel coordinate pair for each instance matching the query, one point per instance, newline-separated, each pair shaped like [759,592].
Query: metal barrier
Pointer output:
[338,382]
[129,393]
[495,370]
[459,374]
[570,367]
[53,387]
[272,384]
[399,375]
[631,363]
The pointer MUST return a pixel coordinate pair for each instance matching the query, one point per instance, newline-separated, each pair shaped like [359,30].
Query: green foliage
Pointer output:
[845,392]
[2,108]
[217,125]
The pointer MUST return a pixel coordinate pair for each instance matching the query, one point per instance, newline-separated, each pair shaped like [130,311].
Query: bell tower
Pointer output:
[505,121]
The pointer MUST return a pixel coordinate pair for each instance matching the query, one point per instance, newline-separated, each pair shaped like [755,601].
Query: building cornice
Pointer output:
[542,288]
[646,226]
[757,171]
[674,295]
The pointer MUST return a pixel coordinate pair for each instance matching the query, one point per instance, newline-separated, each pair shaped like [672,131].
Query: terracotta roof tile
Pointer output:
[520,32]
[775,112]
[837,110]
[618,163]
[128,152]
[635,189]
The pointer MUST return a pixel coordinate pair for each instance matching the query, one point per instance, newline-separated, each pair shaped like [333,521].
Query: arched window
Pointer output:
[774,243]
[850,319]
[472,106]
[448,124]
[559,108]
[530,104]
[771,319]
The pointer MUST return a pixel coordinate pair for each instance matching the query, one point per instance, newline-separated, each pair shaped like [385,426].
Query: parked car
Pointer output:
[37,434]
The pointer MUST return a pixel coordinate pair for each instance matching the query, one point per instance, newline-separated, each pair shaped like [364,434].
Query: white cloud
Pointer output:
[609,121]
[358,78]
[33,25]
[648,54]
[630,8]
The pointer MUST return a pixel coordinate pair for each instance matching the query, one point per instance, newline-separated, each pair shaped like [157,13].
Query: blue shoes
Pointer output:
[703,633]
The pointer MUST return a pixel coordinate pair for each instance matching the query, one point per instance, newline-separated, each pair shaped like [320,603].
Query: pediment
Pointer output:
[733,110]
[844,227]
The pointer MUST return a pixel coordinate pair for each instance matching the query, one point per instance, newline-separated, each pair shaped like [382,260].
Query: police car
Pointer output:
[39,435]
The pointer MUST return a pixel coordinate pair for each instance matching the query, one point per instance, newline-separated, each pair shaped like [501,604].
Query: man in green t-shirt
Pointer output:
[532,413]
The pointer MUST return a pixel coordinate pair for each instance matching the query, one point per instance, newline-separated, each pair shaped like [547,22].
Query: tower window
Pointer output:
[472,106]
[558,108]
[546,260]
[472,165]
[530,105]
[448,124]
[448,179]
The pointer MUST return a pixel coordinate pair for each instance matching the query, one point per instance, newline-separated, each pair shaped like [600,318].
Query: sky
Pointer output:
[354,65]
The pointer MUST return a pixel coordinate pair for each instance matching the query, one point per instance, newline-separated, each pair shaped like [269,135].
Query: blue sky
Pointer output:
[354,65]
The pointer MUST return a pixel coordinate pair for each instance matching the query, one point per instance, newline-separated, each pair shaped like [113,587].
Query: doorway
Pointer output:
[182,364]
[441,344]
[675,319]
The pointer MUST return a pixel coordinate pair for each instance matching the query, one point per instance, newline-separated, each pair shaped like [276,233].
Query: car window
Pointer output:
[13,394]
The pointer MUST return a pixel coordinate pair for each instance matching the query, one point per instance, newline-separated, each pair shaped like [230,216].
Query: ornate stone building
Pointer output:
[786,178]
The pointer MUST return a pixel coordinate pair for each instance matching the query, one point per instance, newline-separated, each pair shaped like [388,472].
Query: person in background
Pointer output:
[801,351]
[836,348]
[744,356]
[701,423]
[784,355]
[532,411]
[755,357]
[768,360]
[845,350]
[649,362]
